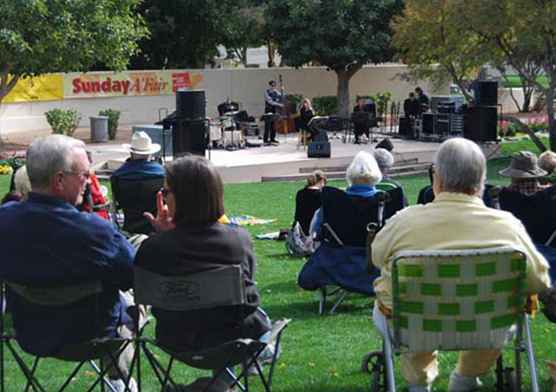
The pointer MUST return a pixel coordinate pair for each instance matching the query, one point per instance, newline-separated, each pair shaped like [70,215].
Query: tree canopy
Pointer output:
[42,36]
[184,33]
[340,34]
[451,39]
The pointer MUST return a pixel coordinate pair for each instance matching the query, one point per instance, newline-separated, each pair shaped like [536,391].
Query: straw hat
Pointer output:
[141,144]
[524,164]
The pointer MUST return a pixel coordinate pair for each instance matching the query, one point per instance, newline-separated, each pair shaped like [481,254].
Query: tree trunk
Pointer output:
[527,95]
[532,135]
[270,50]
[342,93]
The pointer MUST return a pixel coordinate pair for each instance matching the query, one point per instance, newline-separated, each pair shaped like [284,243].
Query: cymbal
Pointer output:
[231,113]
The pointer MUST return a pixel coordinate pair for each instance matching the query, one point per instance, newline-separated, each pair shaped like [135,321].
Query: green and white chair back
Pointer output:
[456,300]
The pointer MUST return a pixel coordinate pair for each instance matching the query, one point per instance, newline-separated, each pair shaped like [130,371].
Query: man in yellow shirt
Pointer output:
[456,219]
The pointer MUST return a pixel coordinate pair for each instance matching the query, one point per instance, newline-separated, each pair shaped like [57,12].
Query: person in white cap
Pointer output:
[136,182]
[140,166]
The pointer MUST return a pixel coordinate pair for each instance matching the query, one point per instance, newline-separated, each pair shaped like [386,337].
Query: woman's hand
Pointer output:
[163,220]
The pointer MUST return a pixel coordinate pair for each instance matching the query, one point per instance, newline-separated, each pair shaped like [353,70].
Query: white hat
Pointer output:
[141,144]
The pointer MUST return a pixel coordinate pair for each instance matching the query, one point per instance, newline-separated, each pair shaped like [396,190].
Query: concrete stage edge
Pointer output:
[252,164]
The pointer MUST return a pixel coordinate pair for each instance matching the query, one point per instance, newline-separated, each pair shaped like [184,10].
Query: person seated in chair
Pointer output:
[307,200]
[361,118]
[547,162]
[51,244]
[135,183]
[190,240]
[306,113]
[385,161]
[524,173]
[456,219]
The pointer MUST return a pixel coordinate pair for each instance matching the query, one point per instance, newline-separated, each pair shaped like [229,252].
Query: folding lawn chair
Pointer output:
[206,290]
[455,300]
[343,285]
[82,353]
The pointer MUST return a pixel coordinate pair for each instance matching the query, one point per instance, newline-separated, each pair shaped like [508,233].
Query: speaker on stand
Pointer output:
[189,128]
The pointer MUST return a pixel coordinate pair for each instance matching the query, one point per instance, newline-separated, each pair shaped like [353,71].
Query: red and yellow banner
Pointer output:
[49,87]
[143,83]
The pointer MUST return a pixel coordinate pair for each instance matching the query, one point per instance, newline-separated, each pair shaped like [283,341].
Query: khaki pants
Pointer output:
[422,368]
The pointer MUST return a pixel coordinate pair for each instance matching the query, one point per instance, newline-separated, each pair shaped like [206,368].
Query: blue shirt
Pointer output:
[354,190]
[47,242]
[139,169]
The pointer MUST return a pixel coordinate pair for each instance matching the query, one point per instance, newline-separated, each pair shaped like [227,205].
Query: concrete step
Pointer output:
[399,171]
[328,169]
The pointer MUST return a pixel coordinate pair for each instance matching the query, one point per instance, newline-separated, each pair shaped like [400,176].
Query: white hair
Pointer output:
[363,170]
[48,155]
[21,181]
[461,166]
[384,158]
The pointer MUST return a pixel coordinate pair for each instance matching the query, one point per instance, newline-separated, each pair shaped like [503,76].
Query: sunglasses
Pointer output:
[165,191]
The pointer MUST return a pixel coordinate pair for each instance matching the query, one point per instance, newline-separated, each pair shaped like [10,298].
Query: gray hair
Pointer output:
[363,170]
[384,158]
[48,155]
[461,166]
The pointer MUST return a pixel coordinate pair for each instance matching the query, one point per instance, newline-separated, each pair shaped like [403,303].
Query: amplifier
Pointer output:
[318,150]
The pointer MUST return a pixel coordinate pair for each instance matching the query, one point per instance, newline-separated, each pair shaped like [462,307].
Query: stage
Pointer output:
[287,161]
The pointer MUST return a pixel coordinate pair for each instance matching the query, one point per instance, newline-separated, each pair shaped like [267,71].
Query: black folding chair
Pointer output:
[135,197]
[205,290]
[82,353]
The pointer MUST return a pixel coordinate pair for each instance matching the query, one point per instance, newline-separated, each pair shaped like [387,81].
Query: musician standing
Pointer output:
[273,104]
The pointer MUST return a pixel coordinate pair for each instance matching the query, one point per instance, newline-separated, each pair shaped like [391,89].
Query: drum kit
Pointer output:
[225,132]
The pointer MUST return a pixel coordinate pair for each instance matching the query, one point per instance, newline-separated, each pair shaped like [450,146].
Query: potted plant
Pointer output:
[63,121]
[113,120]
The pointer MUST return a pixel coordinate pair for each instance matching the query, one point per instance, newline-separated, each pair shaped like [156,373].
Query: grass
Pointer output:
[320,353]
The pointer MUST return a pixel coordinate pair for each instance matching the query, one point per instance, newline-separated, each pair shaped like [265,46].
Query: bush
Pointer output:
[113,119]
[381,101]
[294,101]
[326,106]
[63,121]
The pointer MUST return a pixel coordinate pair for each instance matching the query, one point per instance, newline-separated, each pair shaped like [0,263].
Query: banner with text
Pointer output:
[130,83]
[39,88]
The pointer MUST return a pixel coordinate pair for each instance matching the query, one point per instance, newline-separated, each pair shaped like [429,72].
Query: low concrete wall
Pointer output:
[243,85]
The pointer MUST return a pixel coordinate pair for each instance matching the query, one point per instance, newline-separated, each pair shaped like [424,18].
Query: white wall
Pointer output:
[243,85]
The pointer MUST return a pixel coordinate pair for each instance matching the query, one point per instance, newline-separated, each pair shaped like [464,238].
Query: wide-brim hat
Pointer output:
[141,144]
[524,164]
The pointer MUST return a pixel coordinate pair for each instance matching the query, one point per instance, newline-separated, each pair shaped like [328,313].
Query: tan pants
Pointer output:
[422,368]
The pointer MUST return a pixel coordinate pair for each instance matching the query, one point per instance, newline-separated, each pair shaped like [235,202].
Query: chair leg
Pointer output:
[167,373]
[33,369]
[389,362]
[322,300]
[343,294]
[72,374]
[518,349]
[530,355]
[25,369]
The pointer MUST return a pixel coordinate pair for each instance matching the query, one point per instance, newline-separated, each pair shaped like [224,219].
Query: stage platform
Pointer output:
[287,161]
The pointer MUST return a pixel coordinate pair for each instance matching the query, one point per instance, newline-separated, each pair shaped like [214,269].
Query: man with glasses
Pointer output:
[49,243]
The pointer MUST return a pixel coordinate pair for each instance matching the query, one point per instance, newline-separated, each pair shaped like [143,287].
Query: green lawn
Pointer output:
[320,353]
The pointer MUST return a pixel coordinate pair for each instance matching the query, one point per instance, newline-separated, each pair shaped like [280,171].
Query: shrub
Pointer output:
[113,119]
[381,101]
[326,105]
[63,121]
[294,101]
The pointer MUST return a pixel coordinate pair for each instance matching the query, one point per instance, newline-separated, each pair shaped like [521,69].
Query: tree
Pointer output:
[244,28]
[521,29]
[340,34]
[43,36]
[432,39]
[184,33]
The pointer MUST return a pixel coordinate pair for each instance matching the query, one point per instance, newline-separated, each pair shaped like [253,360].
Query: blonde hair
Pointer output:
[547,161]
[315,177]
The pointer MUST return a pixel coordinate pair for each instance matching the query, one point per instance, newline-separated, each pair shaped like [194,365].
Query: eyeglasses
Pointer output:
[84,174]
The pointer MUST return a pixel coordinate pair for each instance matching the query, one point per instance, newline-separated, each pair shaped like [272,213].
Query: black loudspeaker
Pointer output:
[191,104]
[429,123]
[487,93]
[480,123]
[189,136]
[318,150]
